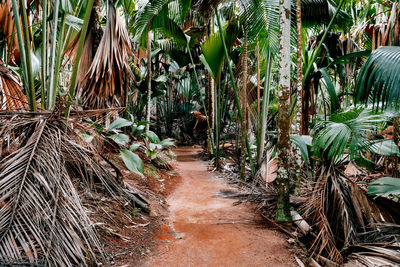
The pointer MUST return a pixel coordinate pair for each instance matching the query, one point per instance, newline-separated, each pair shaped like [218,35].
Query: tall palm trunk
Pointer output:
[296,123]
[258,77]
[243,101]
[209,94]
[283,175]
[297,127]
[148,80]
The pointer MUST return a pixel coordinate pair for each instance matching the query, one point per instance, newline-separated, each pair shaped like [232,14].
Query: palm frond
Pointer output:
[262,19]
[213,50]
[41,214]
[8,31]
[169,28]
[42,220]
[374,254]
[106,81]
[315,12]
[346,130]
[342,213]
[11,94]
[146,14]
[379,78]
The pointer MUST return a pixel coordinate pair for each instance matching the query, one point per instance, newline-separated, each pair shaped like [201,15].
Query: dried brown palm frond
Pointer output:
[90,46]
[106,82]
[41,216]
[384,233]
[11,95]
[8,31]
[374,254]
[86,57]
[341,212]
[7,28]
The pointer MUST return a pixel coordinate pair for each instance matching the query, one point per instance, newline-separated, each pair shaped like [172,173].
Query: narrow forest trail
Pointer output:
[206,230]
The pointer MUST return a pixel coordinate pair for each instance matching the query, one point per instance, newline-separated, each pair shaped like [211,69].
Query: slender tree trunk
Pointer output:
[297,126]
[264,109]
[243,101]
[43,66]
[209,95]
[296,123]
[283,175]
[95,24]
[148,80]
[258,77]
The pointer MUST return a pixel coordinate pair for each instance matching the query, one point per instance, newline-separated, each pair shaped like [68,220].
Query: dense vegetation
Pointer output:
[311,86]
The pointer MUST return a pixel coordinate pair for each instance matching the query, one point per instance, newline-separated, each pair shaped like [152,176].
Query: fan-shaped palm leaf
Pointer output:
[262,20]
[165,14]
[346,130]
[379,78]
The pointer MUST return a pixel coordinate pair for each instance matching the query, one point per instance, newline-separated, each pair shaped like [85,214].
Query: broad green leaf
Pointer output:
[140,123]
[379,78]
[366,163]
[120,139]
[97,127]
[153,137]
[207,66]
[213,50]
[132,161]
[384,186]
[167,142]
[119,123]
[385,148]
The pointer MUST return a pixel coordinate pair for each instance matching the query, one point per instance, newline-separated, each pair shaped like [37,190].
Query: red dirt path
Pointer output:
[209,231]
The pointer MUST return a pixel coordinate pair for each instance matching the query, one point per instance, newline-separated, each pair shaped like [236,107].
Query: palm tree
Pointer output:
[283,148]
[243,100]
[148,110]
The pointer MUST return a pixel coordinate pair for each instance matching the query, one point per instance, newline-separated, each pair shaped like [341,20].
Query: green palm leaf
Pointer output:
[379,78]
[165,16]
[213,49]
[347,130]
[385,186]
[315,12]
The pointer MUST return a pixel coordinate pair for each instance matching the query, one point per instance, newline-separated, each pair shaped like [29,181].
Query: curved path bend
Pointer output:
[206,230]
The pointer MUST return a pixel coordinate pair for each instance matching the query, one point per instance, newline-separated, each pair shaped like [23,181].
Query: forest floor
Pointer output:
[203,229]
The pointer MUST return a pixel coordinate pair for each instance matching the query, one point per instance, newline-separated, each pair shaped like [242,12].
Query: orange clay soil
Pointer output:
[206,230]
